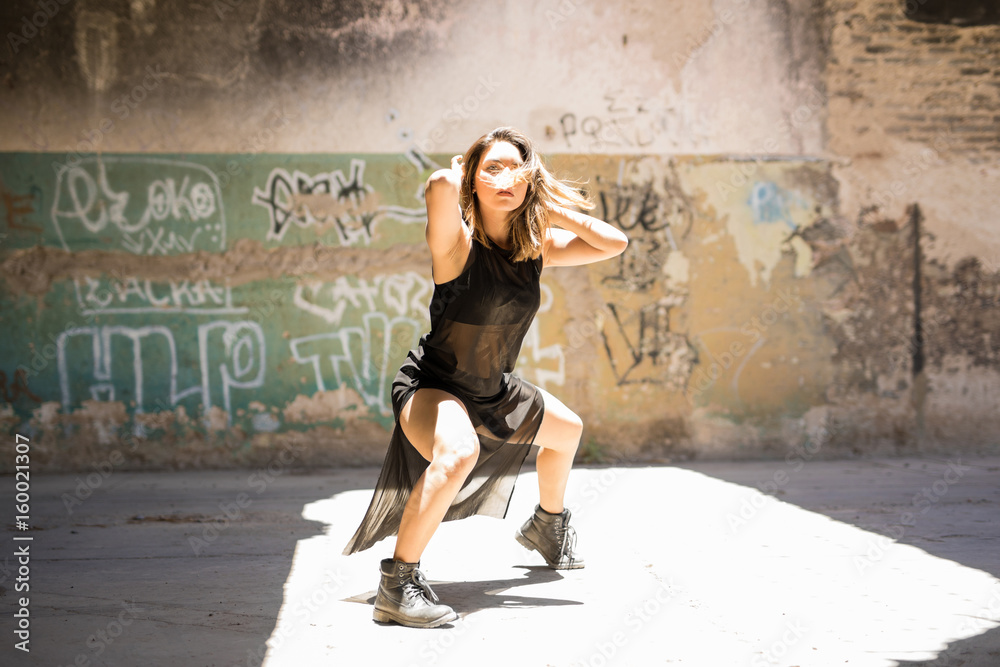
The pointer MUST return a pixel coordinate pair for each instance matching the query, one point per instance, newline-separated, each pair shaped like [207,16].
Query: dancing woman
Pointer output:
[464,422]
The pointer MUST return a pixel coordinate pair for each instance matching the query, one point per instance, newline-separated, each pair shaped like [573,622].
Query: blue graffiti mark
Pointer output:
[770,203]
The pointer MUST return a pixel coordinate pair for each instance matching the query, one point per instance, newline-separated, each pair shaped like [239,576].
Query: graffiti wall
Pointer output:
[202,310]
[172,300]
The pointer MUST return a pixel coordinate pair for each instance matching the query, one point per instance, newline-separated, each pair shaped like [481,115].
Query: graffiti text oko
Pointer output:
[164,199]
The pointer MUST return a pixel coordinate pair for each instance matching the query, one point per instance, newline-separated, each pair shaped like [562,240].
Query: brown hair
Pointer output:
[529,222]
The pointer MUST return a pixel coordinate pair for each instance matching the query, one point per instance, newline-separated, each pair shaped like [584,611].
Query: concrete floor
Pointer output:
[862,563]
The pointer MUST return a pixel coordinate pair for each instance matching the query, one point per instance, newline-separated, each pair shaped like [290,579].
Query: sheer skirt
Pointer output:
[506,425]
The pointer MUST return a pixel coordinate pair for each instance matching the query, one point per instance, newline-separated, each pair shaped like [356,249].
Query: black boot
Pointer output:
[553,537]
[405,597]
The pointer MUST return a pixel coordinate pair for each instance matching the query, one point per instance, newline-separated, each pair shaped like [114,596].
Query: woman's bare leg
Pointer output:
[559,437]
[438,426]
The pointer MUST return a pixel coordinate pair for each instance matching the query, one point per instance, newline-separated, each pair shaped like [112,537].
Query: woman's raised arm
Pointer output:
[447,236]
[582,239]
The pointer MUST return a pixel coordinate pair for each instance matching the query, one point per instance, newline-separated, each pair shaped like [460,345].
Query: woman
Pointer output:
[464,423]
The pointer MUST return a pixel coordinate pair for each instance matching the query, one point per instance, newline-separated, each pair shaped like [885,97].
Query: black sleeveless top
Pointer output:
[478,322]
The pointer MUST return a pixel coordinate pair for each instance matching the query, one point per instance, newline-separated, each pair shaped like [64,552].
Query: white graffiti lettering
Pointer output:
[398,294]
[345,202]
[179,212]
[231,355]
[133,295]
[359,357]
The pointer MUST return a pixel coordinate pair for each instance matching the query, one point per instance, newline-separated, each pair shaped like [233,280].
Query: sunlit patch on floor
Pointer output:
[681,568]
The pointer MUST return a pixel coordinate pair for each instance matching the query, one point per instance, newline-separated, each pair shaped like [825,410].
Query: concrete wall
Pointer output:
[212,246]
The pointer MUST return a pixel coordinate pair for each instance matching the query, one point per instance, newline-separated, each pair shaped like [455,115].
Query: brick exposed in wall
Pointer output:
[931,83]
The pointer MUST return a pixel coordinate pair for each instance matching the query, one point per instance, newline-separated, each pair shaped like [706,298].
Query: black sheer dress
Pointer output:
[478,321]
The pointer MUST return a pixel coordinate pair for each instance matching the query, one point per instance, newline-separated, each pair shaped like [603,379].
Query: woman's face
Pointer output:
[499,184]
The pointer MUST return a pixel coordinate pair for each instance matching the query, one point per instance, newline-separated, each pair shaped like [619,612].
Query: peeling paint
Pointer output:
[775,214]
[803,256]
[342,403]
[677,269]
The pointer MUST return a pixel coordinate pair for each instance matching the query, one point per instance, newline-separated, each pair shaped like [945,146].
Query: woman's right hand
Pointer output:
[455,174]
[458,167]
[452,176]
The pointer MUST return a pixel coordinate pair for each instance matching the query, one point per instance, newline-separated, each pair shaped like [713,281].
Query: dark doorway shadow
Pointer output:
[978,651]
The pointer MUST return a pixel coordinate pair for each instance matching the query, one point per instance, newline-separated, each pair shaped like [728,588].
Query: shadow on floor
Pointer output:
[475,596]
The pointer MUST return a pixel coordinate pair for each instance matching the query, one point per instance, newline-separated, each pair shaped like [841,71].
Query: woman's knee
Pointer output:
[570,427]
[574,425]
[561,428]
[457,456]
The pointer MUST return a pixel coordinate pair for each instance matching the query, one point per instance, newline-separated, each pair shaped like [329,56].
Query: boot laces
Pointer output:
[417,586]
[567,540]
